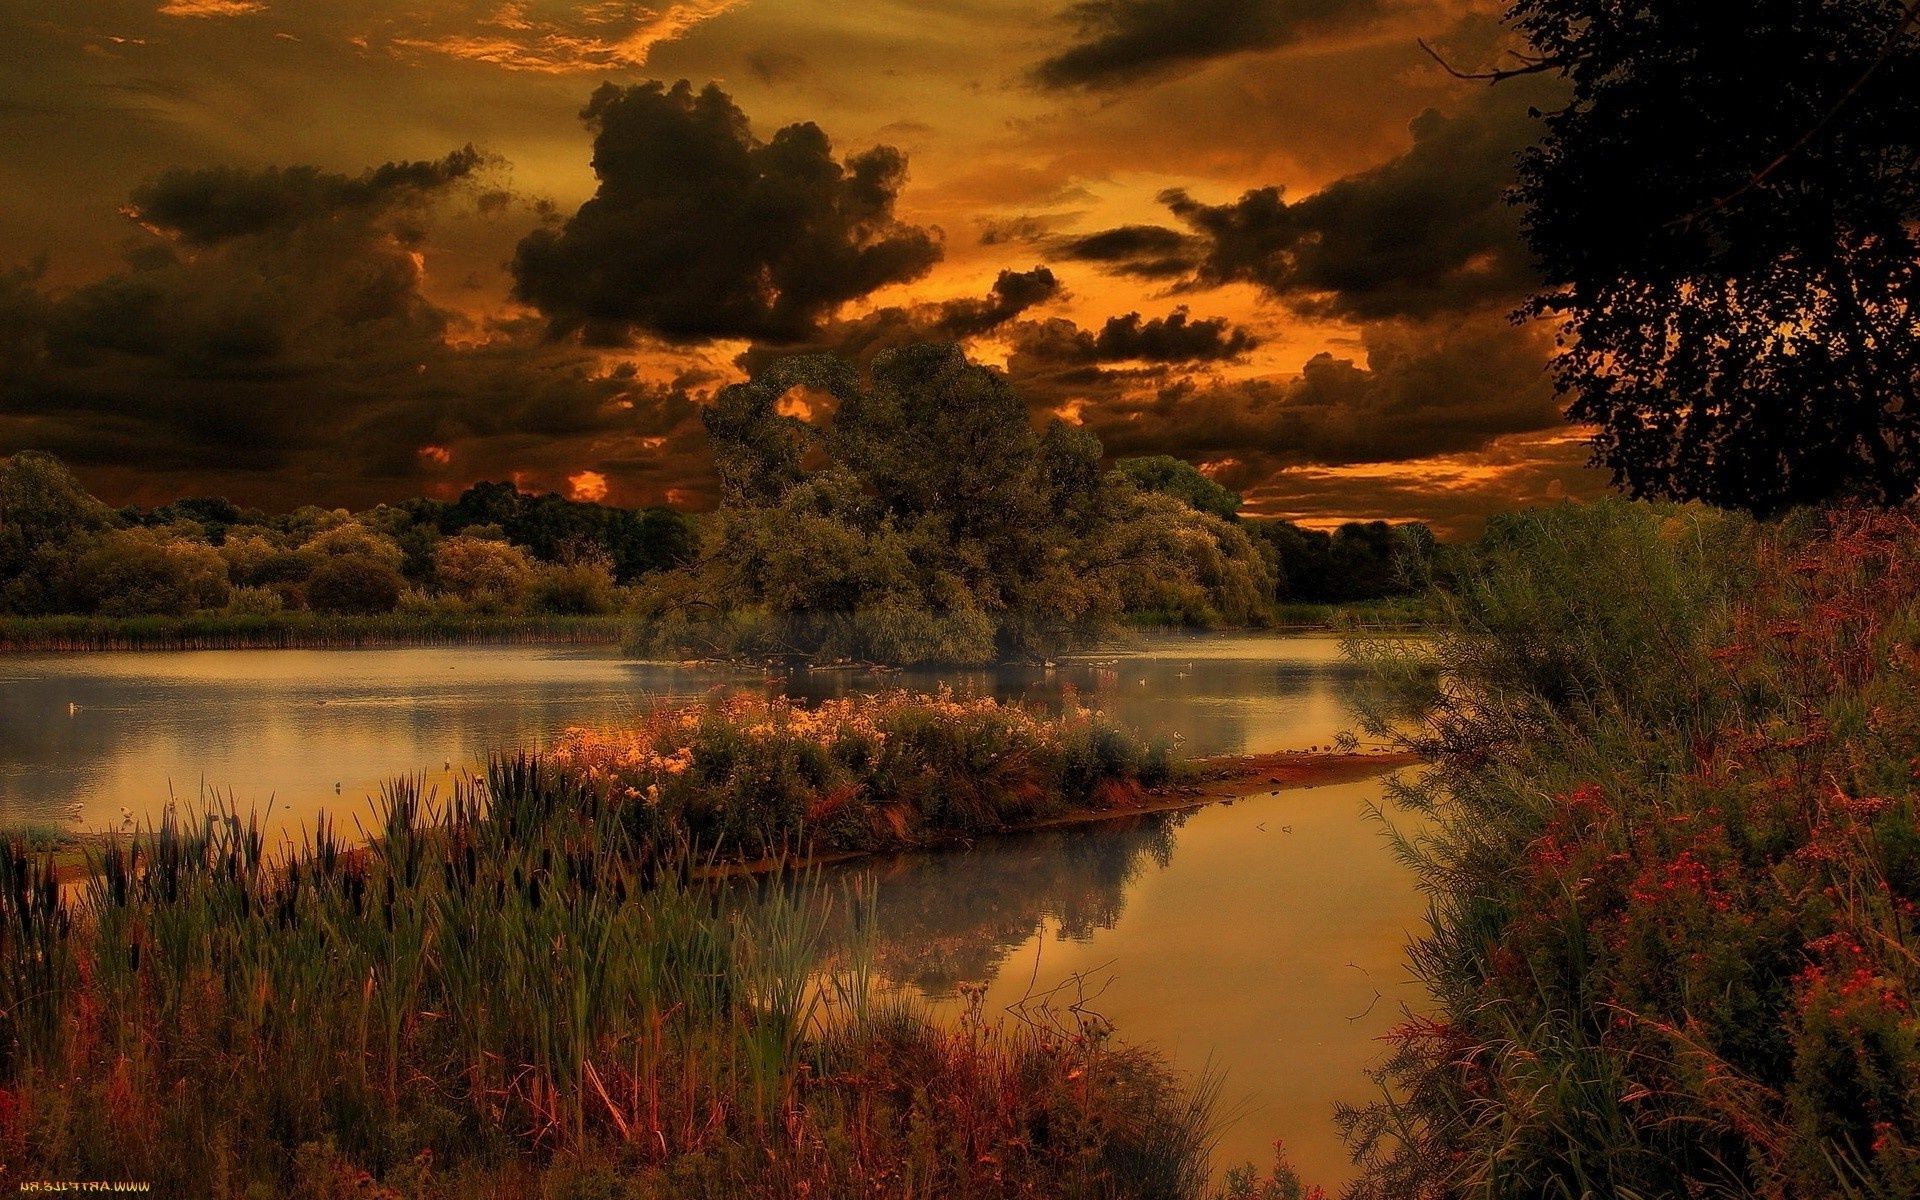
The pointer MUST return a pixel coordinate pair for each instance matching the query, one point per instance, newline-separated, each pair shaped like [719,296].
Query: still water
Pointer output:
[1264,938]
[86,739]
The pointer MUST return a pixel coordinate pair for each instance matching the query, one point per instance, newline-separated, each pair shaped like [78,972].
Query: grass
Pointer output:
[1673,863]
[303,630]
[503,994]
[744,778]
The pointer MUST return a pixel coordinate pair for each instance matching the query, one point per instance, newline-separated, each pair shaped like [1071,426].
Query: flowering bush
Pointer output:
[1674,944]
[751,777]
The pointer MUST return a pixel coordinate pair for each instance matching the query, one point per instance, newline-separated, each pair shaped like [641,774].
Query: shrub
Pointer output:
[149,572]
[355,584]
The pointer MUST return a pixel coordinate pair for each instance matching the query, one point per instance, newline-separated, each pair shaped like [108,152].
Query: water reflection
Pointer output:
[953,918]
[1266,939]
[322,729]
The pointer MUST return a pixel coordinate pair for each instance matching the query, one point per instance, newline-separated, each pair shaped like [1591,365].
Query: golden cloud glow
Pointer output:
[575,39]
[589,486]
[211,8]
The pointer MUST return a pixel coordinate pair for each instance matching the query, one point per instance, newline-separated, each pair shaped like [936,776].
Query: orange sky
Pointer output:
[323,332]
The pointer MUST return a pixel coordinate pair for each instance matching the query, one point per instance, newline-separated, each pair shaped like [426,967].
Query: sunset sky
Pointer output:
[291,250]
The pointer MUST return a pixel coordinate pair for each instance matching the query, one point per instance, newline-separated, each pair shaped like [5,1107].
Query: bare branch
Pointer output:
[1529,65]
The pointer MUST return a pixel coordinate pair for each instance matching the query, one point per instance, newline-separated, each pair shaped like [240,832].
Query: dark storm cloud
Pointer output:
[700,230]
[1145,251]
[291,356]
[1014,292]
[859,339]
[1175,338]
[213,205]
[1120,41]
[1427,232]
[1426,387]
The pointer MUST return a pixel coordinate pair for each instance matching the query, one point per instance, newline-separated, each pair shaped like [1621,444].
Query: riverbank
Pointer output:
[301,630]
[1670,842]
[305,631]
[505,994]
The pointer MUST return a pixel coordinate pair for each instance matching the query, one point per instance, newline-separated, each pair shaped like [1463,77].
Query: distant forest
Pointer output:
[923,520]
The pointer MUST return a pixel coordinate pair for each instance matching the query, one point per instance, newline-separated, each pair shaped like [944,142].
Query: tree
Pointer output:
[487,573]
[1181,480]
[354,583]
[916,514]
[149,572]
[1724,213]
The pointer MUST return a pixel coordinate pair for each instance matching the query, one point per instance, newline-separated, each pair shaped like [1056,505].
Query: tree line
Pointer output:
[913,513]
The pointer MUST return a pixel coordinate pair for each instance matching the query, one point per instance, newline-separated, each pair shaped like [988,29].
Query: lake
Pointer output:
[1265,938]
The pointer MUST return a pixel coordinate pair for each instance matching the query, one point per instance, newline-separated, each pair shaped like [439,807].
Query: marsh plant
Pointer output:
[744,777]
[499,993]
[1670,839]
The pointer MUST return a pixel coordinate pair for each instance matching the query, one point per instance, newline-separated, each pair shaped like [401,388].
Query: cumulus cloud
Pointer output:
[1174,338]
[1145,251]
[1429,231]
[1120,41]
[271,340]
[700,230]
[216,204]
[1012,295]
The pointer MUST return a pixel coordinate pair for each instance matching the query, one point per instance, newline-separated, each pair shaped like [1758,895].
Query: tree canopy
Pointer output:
[915,514]
[1724,213]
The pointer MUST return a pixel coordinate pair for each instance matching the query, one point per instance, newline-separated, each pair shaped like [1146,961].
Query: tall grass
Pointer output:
[1671,853]
[498,994]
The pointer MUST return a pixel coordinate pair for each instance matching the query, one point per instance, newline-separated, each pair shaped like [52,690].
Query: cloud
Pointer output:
[208,206]
[1145,251]
[210,8]
[1449,384]
[271,340]
[700,230]
[1014,292]
[857,340]
[1175,338]
[1453,492]
[547,37]
[1121,41]
[1426,232]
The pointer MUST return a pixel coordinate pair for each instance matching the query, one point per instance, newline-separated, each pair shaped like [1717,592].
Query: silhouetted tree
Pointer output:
[1724,213]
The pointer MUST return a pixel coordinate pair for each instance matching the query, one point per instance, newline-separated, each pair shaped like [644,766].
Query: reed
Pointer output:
[499,994]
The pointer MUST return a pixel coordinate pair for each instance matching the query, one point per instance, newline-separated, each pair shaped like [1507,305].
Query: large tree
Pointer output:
[1724,213]
[915,514]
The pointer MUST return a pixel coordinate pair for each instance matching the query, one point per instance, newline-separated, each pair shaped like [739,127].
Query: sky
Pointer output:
[338,251]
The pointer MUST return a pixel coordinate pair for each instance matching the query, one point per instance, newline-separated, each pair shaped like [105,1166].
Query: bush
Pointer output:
[579,589]
[1669,835]
[355,584]
[149,572]
[487,574]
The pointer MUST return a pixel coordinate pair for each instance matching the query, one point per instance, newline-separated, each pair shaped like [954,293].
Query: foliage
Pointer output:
[494,550]
[1669,836]
[915,515]
[354,583]
[495,997]
[1359,561]
[1181,480]
[748,778]
[1724,215]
